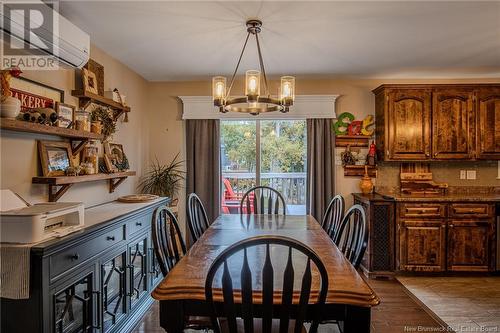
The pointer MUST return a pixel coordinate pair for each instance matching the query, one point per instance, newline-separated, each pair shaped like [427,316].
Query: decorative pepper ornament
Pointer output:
[371,158]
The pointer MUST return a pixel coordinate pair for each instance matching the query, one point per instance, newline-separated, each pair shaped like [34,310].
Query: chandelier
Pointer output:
[253,102]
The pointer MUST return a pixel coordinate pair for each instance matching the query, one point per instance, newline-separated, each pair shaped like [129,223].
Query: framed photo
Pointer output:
[89,81]
[33,94]
[65,114]
[55,157]
[114,149]
[110,162]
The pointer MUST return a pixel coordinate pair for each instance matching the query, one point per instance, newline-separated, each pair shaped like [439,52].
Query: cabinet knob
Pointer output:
[451,225]
[139,224]
[427,154]
[75,256]
[110,238]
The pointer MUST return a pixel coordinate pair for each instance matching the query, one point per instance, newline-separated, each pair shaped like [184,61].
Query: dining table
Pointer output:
[182,292]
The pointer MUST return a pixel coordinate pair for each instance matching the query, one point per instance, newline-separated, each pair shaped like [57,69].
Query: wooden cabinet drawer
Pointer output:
[419,210]
[72,257]
[140,223]
[471,210]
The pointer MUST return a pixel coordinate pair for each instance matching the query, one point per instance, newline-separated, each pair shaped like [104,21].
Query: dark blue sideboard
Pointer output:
[98,279]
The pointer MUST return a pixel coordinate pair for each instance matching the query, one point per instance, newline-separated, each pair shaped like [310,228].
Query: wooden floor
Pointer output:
[395,312]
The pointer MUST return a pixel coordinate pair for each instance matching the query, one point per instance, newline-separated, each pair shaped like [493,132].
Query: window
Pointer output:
[276,157]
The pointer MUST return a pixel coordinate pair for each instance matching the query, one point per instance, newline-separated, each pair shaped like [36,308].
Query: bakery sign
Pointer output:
[33,94]
[30,101]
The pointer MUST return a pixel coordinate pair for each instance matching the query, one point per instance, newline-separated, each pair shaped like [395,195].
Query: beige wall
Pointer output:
[166,131]
[155,129]
[19,156]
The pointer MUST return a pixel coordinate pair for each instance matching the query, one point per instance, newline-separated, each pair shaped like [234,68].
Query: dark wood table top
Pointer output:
[187,280]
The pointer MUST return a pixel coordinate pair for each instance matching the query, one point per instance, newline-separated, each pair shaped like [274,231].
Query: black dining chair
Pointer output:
[169,248]
[263,200]
[262,316]
[168,243]
[333,216]
[352,238]
[196,216]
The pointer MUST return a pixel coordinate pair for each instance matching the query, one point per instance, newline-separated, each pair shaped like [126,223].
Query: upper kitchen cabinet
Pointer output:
[453,120]
[437,122]
[403,124]
[488,123]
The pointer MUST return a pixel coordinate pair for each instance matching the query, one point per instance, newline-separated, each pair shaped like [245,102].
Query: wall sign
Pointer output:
[33,94]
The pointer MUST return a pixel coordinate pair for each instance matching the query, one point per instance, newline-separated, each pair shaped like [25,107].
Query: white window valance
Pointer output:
[305,107]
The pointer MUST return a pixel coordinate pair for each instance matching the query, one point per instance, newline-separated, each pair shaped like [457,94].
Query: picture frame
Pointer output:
[65,114]
[115,149]
[55,157]
[33,94]
[110,163]
[90,83]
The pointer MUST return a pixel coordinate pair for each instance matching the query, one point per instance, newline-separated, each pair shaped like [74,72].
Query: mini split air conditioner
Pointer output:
[68,43]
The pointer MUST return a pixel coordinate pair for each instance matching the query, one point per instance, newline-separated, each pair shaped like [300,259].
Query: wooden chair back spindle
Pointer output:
[290,309]
[263,200]
[197,216]
[168,243]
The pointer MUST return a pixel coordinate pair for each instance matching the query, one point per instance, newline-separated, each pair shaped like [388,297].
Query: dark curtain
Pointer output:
[203,163]
[320,166]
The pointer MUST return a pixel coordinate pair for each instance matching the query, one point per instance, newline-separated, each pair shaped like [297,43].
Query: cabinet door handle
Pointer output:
[139,224]
[75,256]
[110,238]
[99,309]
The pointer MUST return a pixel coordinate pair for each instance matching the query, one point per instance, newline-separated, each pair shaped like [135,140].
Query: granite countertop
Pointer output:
[480,197]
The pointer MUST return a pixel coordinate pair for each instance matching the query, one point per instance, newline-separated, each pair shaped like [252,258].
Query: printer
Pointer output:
[21,222]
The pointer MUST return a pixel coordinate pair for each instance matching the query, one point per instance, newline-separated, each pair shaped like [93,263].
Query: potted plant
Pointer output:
[163,180]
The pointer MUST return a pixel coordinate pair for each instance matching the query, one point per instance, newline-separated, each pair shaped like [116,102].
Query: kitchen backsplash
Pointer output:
[447,172]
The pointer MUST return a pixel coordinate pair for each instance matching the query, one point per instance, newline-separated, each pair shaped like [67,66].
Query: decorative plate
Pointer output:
[135,198]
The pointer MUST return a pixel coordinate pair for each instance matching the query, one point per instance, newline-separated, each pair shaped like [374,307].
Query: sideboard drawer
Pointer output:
[140,223]
[471,210]
[418,210]
[74,256]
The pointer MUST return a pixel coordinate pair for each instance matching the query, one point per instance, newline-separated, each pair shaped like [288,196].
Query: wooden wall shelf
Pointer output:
[59,185]
[352,140]
[359,171]
[85,98]
[26,126]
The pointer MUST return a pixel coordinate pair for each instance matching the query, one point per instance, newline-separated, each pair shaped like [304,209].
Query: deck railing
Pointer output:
[292,185]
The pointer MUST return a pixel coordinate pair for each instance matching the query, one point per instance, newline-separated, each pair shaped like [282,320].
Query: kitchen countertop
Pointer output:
[480,197]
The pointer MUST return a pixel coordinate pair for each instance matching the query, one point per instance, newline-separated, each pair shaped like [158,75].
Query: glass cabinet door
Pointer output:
[113,290]
[73,306]
[138,270]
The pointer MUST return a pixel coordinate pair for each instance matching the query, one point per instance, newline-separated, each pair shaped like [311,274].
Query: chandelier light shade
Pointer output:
[254,101]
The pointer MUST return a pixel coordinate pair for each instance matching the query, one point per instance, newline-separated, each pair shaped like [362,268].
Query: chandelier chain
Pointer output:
[262,68]
[237,65]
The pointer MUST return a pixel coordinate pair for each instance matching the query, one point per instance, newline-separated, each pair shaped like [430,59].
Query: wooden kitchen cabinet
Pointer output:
[445,236]
[488,123]
[437,122]
[468,245]
[453,120]
[422,245]
[407,123]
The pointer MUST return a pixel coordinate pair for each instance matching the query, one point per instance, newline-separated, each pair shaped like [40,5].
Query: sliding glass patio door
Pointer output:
[263,152]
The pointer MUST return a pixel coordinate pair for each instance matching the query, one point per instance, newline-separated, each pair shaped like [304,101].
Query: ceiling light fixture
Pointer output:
[253,102]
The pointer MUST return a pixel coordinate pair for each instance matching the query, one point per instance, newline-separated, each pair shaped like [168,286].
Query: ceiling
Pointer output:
[174,40]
